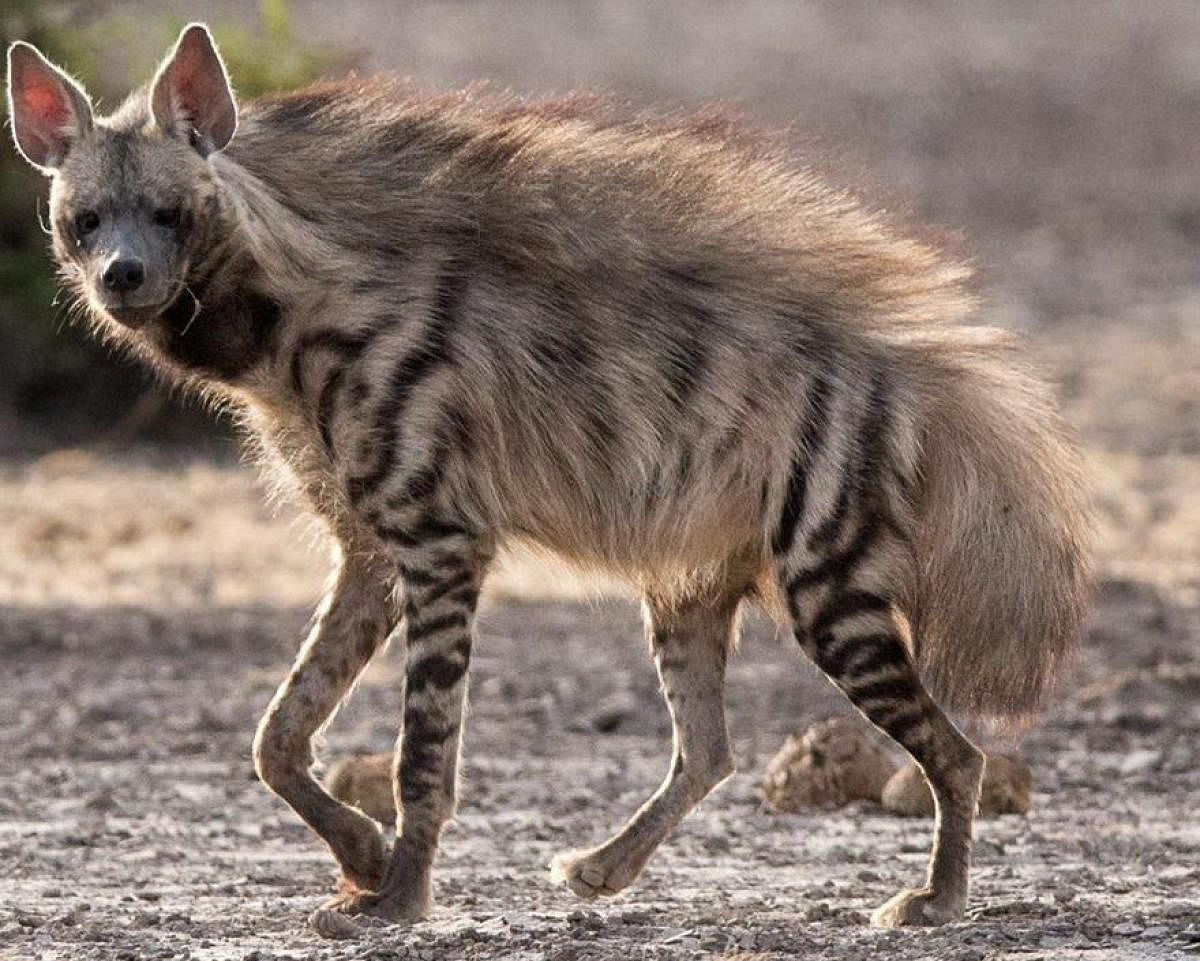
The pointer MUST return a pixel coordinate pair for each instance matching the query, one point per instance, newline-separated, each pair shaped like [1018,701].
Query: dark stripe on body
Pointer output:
[812,438]
[417,365]
[862,466]
[688,353]
[329,392]
[454,434]
[348,345]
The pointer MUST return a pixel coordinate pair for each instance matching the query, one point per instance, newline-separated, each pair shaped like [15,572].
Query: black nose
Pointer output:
[122,276]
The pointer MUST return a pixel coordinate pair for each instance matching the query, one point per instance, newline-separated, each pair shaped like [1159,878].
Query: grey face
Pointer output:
[130,211]
[133,196]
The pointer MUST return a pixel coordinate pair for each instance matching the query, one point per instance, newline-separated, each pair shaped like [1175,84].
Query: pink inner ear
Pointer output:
[45,101]
[186,85]
[192,90]
[187,80]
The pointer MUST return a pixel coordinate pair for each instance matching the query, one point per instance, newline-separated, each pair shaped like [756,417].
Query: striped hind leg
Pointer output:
[847,569]
[690,641]
[846,620]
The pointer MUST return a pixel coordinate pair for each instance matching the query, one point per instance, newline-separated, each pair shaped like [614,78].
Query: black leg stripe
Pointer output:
[900,724]
[420,630]
[419,486]
[887,652]
[417,577]
[437,671]
[673,662]
[885,691]
[421,766]
[432,529]
[462,579]
[840,566]
[419,726]
[833,653]
[424,532]
[466,597]
[846,605]
[396,535]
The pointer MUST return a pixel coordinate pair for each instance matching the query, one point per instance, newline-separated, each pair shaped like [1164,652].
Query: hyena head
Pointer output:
[134,205]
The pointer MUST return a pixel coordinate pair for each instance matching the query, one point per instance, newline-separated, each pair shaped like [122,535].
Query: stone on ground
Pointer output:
[834,762]
[365,781]
[1007,789]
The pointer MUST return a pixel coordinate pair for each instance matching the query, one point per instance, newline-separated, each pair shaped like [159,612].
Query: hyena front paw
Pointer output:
[598,873]
[917,907]
[333,919]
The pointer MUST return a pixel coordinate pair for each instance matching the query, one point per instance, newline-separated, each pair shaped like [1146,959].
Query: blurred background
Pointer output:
[1057,145]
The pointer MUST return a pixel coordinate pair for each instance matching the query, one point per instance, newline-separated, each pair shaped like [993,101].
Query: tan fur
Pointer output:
[652,345]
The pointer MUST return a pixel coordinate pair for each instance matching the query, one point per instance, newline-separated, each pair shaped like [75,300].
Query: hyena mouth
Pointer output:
[136,317]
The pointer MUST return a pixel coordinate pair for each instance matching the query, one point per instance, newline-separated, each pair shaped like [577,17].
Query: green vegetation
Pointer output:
[56,385]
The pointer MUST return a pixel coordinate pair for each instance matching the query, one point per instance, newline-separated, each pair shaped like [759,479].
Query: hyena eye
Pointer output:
[87,221]
[167,216]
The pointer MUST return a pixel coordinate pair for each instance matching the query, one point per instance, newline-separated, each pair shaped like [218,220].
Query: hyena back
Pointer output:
[651,346]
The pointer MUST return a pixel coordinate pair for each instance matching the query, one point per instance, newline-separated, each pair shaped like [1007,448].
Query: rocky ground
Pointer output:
[131,825]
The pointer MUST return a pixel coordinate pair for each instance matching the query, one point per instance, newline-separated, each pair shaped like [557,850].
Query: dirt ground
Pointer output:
[131,825]
[150,602]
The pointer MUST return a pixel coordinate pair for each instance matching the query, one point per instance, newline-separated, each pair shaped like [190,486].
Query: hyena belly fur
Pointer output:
[652,346]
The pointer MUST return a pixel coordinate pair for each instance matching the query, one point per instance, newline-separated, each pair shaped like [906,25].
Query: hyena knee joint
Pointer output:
[280,757]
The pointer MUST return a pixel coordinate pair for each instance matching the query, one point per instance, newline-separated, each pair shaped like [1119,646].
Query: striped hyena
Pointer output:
[650,345]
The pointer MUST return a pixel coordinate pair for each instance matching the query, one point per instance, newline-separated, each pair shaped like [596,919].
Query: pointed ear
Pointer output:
[191,97]
[49,111]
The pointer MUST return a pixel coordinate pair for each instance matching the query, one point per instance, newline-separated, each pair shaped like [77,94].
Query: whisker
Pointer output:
[196,308]
[41,220]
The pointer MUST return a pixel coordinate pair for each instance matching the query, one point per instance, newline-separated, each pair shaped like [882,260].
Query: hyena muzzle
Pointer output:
[651,345]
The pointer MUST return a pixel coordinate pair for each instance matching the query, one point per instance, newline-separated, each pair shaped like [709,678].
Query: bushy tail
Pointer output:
[1004,530]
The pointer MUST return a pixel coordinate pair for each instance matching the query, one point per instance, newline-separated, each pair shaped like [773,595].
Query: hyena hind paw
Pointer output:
[591,875]
[917,907]
[335,925]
